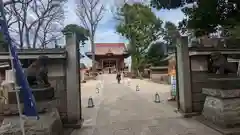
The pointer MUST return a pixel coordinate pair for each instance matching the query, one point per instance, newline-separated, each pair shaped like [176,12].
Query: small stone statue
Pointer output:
[221,65]
[37,72]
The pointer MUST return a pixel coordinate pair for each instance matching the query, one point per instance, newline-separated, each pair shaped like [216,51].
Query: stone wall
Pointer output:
[128,74]
[199,75]
[57,78]
[58,82]
[159,75]
[199,81]
[160,78]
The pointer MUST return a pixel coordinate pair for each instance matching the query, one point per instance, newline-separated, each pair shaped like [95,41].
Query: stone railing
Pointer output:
[90,76]
[129,74]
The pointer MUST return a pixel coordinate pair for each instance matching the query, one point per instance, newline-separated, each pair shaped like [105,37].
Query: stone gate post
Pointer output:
[73,79]
[184,82]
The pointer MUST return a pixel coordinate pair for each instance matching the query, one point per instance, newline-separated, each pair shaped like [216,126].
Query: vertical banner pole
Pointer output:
[17,91]
[2,17]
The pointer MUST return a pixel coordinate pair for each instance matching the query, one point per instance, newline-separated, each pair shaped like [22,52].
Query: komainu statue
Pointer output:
[37,73]
[221,65]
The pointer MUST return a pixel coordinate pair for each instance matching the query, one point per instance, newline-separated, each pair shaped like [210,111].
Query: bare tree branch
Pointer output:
[49,31]
[10,2]
[27,18]
[99,17]
[90,13]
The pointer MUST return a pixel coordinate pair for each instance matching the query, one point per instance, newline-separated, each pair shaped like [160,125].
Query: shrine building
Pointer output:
[109,56]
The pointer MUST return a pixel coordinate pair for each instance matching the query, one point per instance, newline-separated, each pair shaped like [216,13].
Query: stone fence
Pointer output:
[63,75]
[159,75]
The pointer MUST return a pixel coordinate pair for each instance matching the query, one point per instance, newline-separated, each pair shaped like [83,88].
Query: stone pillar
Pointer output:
[73,79]
[184,83]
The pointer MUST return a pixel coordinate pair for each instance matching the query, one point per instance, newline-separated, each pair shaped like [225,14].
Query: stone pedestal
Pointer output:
[44,98]
[48,124]
[222,105]
[40,94]
[42,107]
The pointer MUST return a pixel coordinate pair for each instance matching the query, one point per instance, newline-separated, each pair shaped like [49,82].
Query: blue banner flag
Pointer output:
[28,99]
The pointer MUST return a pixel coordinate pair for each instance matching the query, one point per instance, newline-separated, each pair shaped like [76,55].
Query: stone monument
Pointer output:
[37,73]
[222,103]
[50,122]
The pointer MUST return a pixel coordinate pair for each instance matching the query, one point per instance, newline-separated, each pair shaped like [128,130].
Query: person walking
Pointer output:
[118,77]
[109,70]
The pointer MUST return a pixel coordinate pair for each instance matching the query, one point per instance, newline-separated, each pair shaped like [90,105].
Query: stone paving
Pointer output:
[120,110]
[148,88]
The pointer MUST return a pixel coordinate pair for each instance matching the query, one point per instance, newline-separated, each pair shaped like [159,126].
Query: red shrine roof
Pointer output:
[114,48]
[110,48]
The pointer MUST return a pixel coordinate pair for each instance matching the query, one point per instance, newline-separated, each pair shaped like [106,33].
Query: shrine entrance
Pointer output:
[109,65]
[109,56]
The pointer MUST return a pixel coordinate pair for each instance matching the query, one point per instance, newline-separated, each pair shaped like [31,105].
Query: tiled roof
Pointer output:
[114,48]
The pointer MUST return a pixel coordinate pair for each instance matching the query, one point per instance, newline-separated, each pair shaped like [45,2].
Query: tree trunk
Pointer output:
[139,74]
[27,37]
[138,66]
[36,35]
[93,55]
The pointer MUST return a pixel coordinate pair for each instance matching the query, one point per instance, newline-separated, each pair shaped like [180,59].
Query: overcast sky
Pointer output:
[106,29]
